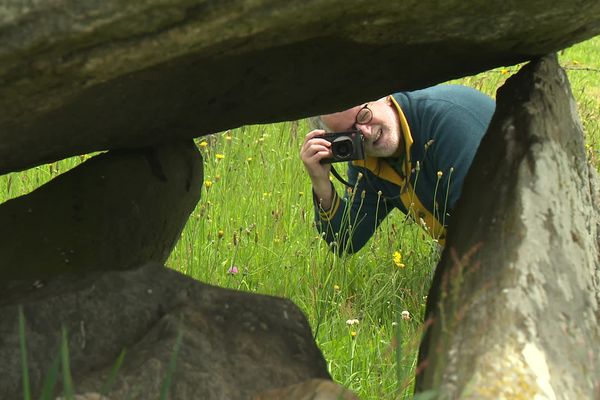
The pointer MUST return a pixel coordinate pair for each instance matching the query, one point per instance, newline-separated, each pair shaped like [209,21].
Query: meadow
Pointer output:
[253,230]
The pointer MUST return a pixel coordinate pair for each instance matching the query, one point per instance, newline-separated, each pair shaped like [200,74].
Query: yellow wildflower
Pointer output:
[398,259]
[336,287]
[208,183]
[504,71]
[220,234]
[439,174]
[219,156]
[203,143]
[353,334]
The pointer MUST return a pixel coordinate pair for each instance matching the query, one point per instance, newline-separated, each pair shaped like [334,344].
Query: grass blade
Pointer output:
[164,390]
[113,375]
[23,350]
[68,389]
[51,379]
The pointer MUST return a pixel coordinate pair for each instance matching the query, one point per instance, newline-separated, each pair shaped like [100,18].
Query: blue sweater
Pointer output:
[442,128]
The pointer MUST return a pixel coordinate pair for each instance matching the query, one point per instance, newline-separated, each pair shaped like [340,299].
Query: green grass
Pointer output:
[256,216]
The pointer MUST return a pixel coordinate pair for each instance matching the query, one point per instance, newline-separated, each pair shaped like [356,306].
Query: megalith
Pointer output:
[77,77]
[119,209]
[140,79]
[212,343]
[514,308]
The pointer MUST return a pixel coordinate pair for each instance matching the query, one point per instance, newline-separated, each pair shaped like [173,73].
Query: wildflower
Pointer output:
[227,137]
[219,156]
[439,174]
[208,183]
[397,257]
[504,71]
[203,144]
[405,315]
[301,194]
[249,159]
[220,234]
[353,334]
[336,288]
[233,270]
[351,322]
[217,178]
[394,323]
[575,62]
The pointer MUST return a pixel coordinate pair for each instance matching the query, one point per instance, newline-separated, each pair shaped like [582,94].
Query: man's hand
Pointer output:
[312,152]
[314,149]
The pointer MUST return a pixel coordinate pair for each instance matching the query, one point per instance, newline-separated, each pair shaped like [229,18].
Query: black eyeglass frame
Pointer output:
[368,114]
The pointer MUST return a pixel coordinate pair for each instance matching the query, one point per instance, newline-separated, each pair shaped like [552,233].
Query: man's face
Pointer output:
[382,132]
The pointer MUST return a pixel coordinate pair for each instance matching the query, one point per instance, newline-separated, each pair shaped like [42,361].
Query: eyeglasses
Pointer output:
[364,115]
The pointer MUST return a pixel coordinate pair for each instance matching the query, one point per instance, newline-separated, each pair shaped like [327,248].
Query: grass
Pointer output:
[253,231]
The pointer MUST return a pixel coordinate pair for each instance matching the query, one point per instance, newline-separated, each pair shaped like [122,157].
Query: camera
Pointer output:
[345,146]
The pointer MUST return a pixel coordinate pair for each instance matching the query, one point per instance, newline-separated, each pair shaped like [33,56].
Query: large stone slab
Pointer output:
[82,76]
[120,209]
[314,389]
[514,309]
[227,344]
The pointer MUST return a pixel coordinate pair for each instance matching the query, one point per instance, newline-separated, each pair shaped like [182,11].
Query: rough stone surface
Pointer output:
[119,209]
[515,300]
[82,76]
[228,344]
[314,389]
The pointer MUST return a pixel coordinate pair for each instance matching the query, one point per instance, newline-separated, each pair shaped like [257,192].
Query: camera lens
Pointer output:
[342,148]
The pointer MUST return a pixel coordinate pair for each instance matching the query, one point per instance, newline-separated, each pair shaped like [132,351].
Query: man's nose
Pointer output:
[365,129]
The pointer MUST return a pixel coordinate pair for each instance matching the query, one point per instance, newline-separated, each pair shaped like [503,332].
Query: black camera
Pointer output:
[345,146]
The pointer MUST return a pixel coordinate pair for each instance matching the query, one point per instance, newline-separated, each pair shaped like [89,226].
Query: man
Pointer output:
[419,146]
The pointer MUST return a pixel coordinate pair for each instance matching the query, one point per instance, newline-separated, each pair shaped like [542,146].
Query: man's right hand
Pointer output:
[314,149]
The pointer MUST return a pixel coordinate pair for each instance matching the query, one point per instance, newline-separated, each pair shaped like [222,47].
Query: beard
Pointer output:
[386,142]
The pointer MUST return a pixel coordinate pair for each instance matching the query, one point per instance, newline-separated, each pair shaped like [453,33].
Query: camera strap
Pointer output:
[345,182]
[339,178]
